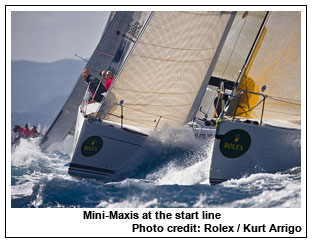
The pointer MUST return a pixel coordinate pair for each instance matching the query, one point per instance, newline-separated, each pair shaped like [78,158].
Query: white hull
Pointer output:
[103,149]
[88,109]
[241,149]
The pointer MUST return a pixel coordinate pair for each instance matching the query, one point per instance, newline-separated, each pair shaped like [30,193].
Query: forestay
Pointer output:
[165,71]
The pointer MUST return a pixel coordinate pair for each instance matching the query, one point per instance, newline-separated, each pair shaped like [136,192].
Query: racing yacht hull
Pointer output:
[103,149]
[241,149]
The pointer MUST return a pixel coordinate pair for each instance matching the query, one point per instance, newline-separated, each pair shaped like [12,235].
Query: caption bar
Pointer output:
[189,222]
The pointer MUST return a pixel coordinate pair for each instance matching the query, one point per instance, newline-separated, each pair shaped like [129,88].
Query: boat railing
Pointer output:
[122,117]
[239,96]
[85,101]
[89,99]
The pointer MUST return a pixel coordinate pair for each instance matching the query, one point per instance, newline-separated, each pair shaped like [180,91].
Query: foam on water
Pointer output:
[182,137]
[25,153]
[192,168]
[189,172]
[170,172]
[65,147]
[31,167]
[282,190]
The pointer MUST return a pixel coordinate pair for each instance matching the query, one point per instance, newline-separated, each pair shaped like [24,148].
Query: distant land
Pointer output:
[39,90]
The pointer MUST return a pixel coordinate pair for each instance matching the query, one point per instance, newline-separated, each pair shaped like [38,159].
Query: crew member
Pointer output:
[17,133]
[95,86]
[217,105]
[25,131]
[108,77]
[33,132]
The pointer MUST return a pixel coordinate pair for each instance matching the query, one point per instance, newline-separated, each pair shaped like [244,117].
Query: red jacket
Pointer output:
[108,83]
[25,132]
[34,132]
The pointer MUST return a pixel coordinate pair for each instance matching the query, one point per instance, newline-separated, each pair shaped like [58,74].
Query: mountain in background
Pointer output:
[39,90]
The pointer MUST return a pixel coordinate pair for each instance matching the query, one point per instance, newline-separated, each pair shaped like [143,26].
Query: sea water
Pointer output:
[167,174]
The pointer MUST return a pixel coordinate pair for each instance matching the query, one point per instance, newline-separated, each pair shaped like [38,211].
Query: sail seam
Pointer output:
[162,93]
[198,13]
[185,61]
[151,113]
[166,47]
[158,105]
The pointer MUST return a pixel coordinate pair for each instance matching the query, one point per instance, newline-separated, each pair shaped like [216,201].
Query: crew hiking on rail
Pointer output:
[24,133]
[96,87]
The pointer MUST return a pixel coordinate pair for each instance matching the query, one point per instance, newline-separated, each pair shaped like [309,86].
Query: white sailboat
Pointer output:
[260,130]
[110,52]
[161,83]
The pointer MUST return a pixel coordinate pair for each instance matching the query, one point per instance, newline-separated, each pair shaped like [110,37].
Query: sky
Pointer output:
[47,36]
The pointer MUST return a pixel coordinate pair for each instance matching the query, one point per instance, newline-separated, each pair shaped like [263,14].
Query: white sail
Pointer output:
[108,54]
[275,70]
[165,72]
[237,46]
[233,56]
[161,82]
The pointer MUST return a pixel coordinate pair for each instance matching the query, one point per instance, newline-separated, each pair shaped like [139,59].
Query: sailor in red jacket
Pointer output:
[108,78]
[17,133]
[33,132]
[26,131]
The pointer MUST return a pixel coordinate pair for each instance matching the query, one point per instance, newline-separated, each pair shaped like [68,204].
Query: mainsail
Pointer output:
[108,54]
[274,70]
[164,74]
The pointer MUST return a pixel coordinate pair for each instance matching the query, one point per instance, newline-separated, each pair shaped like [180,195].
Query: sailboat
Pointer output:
[118,37]
[161,83]
[260,127]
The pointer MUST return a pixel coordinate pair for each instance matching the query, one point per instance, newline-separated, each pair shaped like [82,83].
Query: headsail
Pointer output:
[233,56]
[274,70]
[108,54]
[165,71]
[239,41]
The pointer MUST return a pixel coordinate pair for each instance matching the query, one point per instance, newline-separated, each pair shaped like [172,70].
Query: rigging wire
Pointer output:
[236,41]
[90,42]
[283,100]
